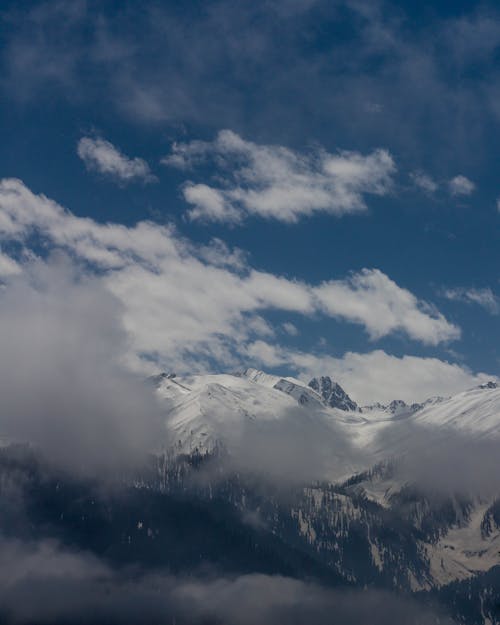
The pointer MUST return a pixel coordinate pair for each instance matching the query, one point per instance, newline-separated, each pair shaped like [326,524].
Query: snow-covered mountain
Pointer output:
[475,412]
[203,410]
[206,410]
[364,516]
[452,542]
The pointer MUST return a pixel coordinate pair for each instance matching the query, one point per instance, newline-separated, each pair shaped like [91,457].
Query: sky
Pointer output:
[301,186]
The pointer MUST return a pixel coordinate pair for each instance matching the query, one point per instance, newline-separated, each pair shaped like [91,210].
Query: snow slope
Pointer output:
[475,412]
[203,410]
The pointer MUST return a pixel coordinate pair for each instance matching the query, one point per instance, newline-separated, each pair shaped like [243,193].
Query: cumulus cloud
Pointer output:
[423,181]
[275,182]
[373,299]
[460,185]
[482,297]
[103,157]
[63,384]
[186,307]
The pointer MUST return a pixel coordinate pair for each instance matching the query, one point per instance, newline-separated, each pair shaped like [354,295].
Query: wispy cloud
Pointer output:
[275,182]
[154,65]
[424,182]
[103,157]
[482,297]
[290,328]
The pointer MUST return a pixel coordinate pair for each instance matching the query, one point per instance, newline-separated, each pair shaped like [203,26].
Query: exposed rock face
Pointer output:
[333,394]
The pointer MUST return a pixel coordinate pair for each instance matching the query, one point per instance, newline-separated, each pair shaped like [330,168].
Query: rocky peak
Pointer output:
[333,394]
[490,384]
[156,380]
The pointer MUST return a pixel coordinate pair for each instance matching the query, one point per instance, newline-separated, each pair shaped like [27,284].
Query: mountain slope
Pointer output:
[202,410]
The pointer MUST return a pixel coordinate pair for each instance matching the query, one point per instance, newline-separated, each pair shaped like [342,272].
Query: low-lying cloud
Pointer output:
[63,382]
[297,446]
[446,462]
[45,583]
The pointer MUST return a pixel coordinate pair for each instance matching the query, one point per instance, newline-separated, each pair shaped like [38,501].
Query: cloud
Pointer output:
[193,309]
[103,157]
[290,328]
[482,297]
[47,583]
[8,266]
[442,461]
[373,376]
[275,182]
[460,185]
[373,299]
[424,181]
[291,446]
[63,383]
[185,306]
[209,204]
[155,64]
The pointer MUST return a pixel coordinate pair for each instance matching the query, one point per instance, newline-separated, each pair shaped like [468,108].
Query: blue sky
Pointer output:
[343,156]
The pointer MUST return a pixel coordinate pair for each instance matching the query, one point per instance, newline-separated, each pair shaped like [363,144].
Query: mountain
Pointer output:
[203,411]
[333,394]
[475,412]
[371,498]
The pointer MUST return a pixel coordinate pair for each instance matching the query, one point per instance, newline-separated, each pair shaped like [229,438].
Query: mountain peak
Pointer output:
[157,379]
[488,385]
[333,394]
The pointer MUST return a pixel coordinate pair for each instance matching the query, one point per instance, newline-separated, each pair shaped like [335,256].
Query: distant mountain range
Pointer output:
[267,474]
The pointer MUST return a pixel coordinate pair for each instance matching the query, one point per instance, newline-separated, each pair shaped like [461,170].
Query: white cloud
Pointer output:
[62,380]
[186,307]
[460,185]
[378,376]
[209,204]
[8,266]
[374,376]
[374,300]
[483,297]
[424,181]
[102,156]
[275,182]
[290,328]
